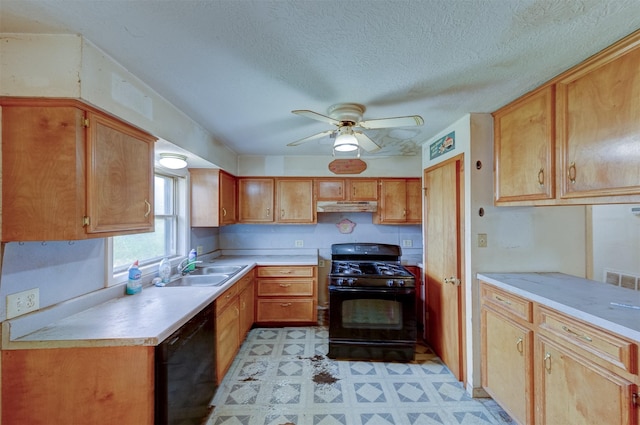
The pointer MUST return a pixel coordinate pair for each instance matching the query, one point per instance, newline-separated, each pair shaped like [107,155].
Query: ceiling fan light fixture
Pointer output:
[173,161]
[345,140]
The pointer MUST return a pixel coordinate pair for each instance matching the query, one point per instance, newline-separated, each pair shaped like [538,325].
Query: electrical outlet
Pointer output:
[407,243]
[299,243]
[199,250]
[320,263]
[482,240]
[23,302]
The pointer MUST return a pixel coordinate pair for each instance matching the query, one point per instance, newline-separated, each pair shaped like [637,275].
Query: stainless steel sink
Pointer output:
[200,280]
[213,270]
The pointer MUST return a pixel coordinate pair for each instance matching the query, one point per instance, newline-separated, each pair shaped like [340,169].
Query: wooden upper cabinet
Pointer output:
[70,172]
[256,199]
[524,143]
[213,197]
[295,201]
[599,124]
[400,201]
[336,189]
[119,177]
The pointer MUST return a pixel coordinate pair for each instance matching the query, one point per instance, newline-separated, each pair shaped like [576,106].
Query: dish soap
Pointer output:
[134,284]
[164,270]
[191,264]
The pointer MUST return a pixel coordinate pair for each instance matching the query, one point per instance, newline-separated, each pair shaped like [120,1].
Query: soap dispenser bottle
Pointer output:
[191,264]
[164,270]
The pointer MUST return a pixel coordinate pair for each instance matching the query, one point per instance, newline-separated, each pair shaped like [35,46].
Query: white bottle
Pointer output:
[164,270]
[134,284]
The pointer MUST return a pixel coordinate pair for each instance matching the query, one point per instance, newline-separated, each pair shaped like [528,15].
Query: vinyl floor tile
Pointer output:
[281,376]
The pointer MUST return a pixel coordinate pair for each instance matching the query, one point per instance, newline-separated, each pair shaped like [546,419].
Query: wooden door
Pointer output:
[363,189]
[227,198]
[255,200]
[443,274]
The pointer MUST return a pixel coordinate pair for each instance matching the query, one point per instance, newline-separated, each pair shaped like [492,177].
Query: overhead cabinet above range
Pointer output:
[71,172]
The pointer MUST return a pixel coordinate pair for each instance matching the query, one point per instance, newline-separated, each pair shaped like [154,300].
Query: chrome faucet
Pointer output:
[185,264]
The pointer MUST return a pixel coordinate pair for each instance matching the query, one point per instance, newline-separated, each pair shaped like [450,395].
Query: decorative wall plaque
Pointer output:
[345,225]
[347,166]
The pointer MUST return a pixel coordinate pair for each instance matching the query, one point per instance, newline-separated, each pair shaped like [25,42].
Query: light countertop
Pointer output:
[146,318]
[584,299]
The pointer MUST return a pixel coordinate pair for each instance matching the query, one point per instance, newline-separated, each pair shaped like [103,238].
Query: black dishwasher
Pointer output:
[185,372]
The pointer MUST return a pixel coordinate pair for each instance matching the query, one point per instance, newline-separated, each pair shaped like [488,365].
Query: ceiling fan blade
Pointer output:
[366,143]
[316,116]
[314,137]
[408,121]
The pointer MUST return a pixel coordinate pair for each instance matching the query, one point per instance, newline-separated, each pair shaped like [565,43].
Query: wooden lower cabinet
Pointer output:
[507,373]
[545,367]
[573,390]
[96,385]
[234,318]
[287,295]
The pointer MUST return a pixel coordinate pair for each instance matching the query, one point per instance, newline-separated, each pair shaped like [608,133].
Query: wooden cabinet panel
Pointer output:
[524,148]
[507,366]
[213,197]
[286,287]
[227,335]
[331,189]
[102,385]
[285,310]
[400,202]
[286,271]
[599,124]
[256,200]
[70,172]
[336,189]
[246,300]
[119,177]
[295,201]
[507,303]
[572,390]
[363,189]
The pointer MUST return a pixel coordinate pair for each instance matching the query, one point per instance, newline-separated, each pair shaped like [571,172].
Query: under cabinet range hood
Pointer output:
[347,206]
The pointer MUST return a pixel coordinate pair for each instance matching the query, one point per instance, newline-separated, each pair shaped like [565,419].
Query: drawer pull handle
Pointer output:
[547,362]
[571,173]
[285,305]
[502,300]
[541,177]
[574,333]
[284,285]
[520,345]
[146,214]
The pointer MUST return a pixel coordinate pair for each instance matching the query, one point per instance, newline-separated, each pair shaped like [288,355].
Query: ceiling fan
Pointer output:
[346,117]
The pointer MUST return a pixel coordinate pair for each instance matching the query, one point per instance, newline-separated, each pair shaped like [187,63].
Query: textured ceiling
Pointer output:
[239,67]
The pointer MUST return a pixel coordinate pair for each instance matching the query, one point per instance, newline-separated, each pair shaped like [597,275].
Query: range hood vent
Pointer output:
[347,206]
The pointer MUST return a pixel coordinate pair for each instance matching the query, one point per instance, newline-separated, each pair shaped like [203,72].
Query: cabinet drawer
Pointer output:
[582,337]
[506,302]
[287,287]
[225,298]
[286,271]
[286,310]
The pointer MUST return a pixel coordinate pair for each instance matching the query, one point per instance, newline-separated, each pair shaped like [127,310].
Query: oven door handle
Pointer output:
[377,290]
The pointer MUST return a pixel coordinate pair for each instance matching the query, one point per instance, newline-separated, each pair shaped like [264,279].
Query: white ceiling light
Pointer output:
[345,140]
[173,160]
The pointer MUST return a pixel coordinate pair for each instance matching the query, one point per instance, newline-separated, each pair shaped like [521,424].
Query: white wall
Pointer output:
[616,240]
[519,239]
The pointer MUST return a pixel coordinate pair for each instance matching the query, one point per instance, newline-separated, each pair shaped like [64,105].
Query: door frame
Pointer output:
[461,257]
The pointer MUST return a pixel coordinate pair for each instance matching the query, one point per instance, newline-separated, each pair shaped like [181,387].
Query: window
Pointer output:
[166,241]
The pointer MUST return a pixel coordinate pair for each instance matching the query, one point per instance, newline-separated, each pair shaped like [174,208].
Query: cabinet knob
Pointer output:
[571,172]
[541,177]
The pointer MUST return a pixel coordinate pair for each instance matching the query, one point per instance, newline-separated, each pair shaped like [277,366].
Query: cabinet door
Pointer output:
[507,364]
[295,203]
[572,390]
[255,200]
[393,201]
[228,192]
[598,111]
[43,166]
[363,189]
[246,300]
[414,201]
[227,337]
[119,177]
[331,189]
[524,135]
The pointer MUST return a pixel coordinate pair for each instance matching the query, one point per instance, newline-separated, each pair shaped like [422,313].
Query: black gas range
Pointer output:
[371,303]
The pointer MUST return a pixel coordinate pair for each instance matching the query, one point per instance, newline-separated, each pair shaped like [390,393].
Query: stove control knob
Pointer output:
[401,282]
[391,282]
[350,282]
[339,282]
